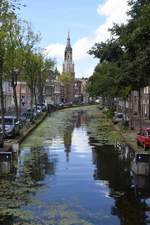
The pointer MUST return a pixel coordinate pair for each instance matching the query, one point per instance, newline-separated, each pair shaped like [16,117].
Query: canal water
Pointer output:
[68,172]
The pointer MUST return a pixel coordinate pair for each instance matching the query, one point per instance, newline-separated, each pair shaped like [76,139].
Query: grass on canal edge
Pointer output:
[118,133]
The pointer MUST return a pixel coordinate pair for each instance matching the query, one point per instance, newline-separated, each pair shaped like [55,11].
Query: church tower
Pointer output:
[68,68]
[68,65]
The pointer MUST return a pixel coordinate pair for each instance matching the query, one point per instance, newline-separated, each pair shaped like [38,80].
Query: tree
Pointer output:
[6,14]
[30,61]
[129,50]
[107,72]
[109,51]
[13,59]
[46,65]
[66,79]
[135,38]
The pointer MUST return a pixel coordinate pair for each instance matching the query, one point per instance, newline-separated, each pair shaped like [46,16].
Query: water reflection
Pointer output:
[38,164]
[71,179]
[129,190]
[68,141]
[79,118]
[111,168]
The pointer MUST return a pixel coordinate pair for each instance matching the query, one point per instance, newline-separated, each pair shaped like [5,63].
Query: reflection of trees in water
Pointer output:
[18,190]
[109,167]
[128,191]
[131,209]
[39,164]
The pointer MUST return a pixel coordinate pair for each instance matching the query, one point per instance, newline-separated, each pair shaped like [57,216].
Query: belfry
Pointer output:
[68,68]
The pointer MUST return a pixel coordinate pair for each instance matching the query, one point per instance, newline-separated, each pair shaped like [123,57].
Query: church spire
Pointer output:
[68,41]
[68,51]
[68,65]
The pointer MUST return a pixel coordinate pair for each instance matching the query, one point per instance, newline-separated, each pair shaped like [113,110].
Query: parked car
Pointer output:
[38,108]
[31,113]
[28,116]
[23,119]
[120,117]
[42,107]
[11,126]
[143,138]
[61,104]
[68,104]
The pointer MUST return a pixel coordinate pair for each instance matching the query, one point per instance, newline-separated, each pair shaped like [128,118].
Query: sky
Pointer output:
[86,20]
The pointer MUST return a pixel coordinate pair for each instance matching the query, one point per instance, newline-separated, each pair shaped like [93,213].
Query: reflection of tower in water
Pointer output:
[79,118]
[67,142]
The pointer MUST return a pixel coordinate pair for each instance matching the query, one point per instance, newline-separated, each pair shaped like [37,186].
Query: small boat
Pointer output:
[141,164]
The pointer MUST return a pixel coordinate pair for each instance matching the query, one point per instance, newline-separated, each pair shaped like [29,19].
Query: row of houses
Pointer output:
[132,103]
[53,93]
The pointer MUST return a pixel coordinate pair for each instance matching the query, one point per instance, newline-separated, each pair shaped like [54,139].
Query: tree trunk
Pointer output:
[125,111]
[32,97]
[2,95]
[103,101]
[35,97]
[131,112]
[139,109]
[40,89]
[14,84]
[20,101]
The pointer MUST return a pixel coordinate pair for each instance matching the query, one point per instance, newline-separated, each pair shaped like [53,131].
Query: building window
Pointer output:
[146,90]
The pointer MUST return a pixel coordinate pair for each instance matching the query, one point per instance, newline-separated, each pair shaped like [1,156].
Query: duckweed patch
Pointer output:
[101,130]
[13,195]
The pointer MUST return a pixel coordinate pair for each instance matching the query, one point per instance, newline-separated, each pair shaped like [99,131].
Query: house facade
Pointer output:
[131,105]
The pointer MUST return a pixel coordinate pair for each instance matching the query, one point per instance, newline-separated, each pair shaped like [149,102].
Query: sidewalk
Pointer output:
[129,136]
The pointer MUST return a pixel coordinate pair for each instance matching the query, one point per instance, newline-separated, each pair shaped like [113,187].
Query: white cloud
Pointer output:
[59,67]
[114,11]
[81,47]
[55,50]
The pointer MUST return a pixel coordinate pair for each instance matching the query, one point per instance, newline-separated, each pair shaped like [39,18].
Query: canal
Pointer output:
[68,172]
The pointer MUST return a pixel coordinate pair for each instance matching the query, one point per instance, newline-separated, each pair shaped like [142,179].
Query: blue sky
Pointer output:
[87,21]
